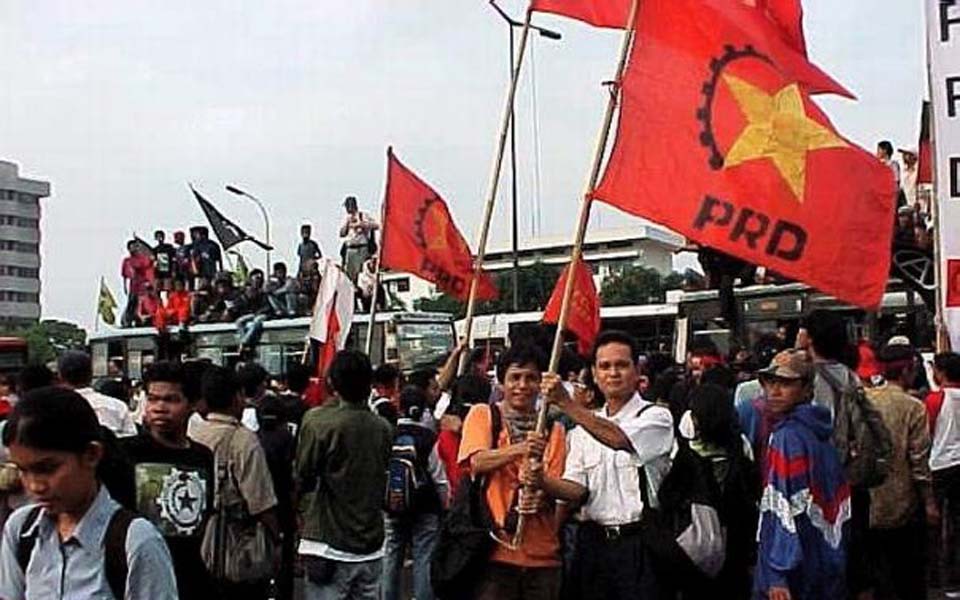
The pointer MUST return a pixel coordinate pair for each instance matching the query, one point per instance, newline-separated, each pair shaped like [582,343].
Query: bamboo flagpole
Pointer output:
[584,219]
[372,321]
[493,186]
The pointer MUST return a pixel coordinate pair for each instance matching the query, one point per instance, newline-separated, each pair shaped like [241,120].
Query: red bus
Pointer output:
[13,354]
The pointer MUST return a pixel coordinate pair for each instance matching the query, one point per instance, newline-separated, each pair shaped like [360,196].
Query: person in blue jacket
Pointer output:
[806,499]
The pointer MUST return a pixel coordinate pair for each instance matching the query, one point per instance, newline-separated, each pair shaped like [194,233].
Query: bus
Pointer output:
[651,324]
[13,355]
[406,339]
[776,310]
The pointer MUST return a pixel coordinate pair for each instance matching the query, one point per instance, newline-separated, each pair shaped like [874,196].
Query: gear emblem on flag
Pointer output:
[705,112]
[775,129]
[433,225]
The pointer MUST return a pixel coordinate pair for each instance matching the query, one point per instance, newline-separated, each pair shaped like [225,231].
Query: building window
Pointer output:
[19,221]
[23,247]
[8,296]
[25,272]
[27,199]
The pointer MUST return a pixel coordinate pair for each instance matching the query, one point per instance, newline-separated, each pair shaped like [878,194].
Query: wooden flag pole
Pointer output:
[584,219]
[494,183]
[372,322]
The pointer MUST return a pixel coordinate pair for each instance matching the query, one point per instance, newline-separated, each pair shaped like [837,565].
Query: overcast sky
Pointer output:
[120,104]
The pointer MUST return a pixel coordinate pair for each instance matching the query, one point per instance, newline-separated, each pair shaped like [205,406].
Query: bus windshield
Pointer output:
[423,344]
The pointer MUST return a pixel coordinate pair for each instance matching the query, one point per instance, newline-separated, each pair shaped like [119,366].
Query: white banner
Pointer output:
[943,46]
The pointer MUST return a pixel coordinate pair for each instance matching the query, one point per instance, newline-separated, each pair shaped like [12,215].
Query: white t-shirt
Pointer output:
[945,451]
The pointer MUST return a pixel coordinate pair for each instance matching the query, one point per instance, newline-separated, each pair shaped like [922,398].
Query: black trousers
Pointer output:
[899,560]
[944,545]
[859,570]
[611,567]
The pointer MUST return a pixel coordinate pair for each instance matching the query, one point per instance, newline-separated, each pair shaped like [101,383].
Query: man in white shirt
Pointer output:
[76,372]
[885,154]
[606,452]
[357,232]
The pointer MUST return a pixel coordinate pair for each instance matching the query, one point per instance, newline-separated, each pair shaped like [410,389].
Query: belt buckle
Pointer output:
[612,532]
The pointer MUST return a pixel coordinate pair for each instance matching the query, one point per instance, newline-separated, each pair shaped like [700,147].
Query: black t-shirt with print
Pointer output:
[164,257]
[174,490]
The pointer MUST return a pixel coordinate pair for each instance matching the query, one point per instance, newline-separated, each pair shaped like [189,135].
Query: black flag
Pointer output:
[228,232]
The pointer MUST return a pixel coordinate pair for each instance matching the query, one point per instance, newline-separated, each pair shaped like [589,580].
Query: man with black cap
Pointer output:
[358,234]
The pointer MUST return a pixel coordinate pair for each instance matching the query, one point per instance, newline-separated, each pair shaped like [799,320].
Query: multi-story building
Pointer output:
[19,246]
[605,250]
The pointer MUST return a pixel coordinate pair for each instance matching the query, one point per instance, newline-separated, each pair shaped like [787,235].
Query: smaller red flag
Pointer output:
[419,236]
[925,166]
[328,351]
[583,319]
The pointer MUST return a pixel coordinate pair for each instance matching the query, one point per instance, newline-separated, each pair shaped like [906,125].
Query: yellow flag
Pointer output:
[106,304]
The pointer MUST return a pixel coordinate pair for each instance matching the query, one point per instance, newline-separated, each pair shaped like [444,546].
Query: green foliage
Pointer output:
[638,285]
[46,340]
[535,284]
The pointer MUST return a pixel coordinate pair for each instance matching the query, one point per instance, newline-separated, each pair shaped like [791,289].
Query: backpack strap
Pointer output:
[496,425]
[114,547]
[642,470]
[115,551]
[27,538]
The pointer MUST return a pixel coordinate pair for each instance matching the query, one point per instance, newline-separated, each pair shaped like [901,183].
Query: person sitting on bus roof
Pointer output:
[309,281]
[149,307]
[282,291]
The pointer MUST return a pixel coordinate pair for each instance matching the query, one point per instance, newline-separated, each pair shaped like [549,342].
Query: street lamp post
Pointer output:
[553,35]
[266,218]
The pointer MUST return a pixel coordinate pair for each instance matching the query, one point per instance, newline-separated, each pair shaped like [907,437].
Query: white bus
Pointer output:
[406,339]
[652,325]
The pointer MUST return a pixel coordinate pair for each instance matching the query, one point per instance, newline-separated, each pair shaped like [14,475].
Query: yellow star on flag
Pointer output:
[777,128]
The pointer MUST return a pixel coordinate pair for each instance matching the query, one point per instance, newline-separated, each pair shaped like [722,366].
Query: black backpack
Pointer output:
[114,547]
[465,541]
[681,527]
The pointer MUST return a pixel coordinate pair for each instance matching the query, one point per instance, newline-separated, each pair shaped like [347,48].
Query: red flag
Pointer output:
[719,140]
[328,351]
[583,318]
[786,14]
[925,165]
[419,236]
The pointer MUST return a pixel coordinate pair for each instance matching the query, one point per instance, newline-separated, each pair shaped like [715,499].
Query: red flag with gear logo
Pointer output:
[583,318]
[419,236]
[786,14]
[719,140]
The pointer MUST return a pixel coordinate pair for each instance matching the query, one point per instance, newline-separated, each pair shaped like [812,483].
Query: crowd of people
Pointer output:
[185,282]
[806,468]
[913,227]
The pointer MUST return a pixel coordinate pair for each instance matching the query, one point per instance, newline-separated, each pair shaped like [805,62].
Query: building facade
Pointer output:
[19,247]
[605,250]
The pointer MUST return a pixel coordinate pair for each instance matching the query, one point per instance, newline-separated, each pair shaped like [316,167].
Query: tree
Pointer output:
[638,285]
[535,284]
[46,340]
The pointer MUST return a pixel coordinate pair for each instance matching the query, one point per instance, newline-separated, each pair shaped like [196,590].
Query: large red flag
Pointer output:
[786,14]
[719,140]
[419,236]
[583,318]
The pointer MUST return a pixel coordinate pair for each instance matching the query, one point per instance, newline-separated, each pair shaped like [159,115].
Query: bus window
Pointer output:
[420,344]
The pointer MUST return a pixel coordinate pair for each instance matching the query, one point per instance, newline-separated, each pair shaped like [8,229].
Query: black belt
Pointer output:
[615,532]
